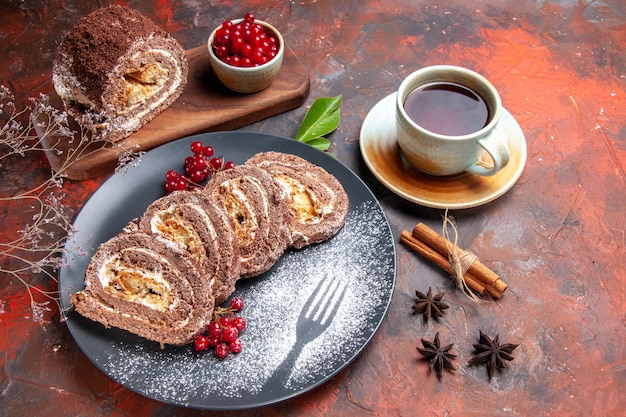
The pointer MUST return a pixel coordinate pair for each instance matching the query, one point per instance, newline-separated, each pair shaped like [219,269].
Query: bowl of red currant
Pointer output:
[246,54]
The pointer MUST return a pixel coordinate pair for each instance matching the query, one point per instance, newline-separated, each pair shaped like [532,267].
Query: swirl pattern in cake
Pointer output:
[196,223]
[148,286]
[257,208]
[317,203]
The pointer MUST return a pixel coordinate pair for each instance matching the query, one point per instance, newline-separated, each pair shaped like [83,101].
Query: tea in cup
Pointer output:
[446,119]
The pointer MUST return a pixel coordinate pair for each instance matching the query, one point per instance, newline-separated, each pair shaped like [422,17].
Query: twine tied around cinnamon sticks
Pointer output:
[464,267]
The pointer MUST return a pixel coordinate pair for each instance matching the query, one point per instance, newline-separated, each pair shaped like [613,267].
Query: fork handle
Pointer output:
[282,373]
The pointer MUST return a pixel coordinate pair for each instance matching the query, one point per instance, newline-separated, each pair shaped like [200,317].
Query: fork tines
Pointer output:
[325,301]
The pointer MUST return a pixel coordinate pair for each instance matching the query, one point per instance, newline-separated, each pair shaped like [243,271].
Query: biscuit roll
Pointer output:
[147,286]
[317,202]
[117,63]
[196,224]
[256,205]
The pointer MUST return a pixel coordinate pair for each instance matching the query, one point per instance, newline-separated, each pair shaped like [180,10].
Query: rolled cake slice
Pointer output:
[197,224]
[255,203]
[318,203]
[117,63]
[148,286]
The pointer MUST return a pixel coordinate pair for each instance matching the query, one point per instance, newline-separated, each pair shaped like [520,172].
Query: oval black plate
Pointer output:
[361,256]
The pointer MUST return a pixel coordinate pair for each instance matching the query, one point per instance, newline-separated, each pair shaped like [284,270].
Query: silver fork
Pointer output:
[316,315]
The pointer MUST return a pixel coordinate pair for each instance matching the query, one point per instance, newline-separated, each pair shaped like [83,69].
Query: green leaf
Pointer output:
[321,119]
[319,143]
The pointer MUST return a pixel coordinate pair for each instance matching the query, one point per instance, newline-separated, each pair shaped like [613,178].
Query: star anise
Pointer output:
[492,353]
[440,357]
[429,305]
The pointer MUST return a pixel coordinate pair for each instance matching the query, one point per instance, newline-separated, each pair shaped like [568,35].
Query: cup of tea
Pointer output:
[446,118]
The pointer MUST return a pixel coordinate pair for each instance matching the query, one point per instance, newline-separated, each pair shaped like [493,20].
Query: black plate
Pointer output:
[361,256]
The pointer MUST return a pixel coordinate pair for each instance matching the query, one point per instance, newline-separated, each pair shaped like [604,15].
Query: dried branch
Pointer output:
[38,247]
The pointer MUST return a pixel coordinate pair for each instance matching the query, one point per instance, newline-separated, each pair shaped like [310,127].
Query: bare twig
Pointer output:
[38,247]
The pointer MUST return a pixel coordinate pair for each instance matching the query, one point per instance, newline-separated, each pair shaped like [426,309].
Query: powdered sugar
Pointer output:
[361,256]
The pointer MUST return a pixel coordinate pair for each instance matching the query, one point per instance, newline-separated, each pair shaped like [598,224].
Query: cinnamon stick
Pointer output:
[477,270]
[438,259]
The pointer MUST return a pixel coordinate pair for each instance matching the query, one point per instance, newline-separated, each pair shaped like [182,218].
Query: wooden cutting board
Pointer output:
[205,106]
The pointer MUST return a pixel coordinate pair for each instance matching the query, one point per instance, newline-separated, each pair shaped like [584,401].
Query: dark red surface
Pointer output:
[557,237]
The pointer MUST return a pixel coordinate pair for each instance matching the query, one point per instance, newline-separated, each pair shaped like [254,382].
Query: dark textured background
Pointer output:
[557,237]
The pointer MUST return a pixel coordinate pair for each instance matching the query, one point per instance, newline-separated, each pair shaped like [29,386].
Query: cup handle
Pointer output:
[495,146]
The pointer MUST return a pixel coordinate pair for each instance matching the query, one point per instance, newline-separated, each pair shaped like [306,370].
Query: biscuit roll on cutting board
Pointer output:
[118,63]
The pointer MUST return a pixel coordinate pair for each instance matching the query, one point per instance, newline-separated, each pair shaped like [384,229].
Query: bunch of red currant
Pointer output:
[245,44]
[223,333]
[198,167]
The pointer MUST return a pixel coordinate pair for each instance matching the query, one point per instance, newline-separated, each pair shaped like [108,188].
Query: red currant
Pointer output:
[235,346]
[197,168]
[223,332]
[225,321]
[258,57]
[208,151]
[170,186]
[236,303]
[181,184]
[196,147]
[201,343]
[244,44]
[216,163]
[199,162]
[257,30]
[246,50]
[239,323]
[236,45]
[197,176]
[215,328]
[214,339]
[222,350]
[229,334]
[235,60]
[221,51]
[171,175]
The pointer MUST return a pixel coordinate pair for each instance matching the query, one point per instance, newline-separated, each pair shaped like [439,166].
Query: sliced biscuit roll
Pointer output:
[148,286]
[257,208]
[117,63]
[199,226]
[318,203]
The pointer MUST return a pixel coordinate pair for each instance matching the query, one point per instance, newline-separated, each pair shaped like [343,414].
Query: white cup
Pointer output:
[450,148]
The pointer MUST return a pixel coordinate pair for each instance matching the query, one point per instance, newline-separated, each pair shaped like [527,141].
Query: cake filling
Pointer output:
[179,230]
[304,207]
[136,285]
[139,98]
[240,210]
[143,83]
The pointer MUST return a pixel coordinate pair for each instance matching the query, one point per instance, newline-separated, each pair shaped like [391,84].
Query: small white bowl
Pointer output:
[247,79]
